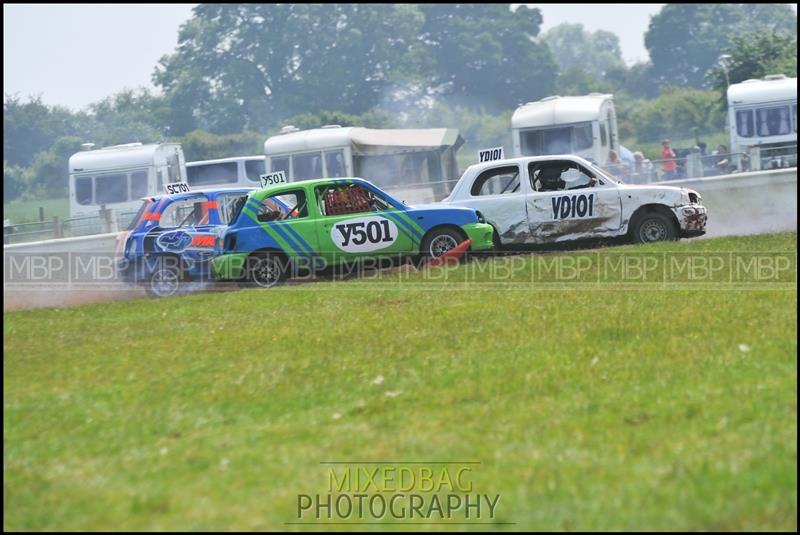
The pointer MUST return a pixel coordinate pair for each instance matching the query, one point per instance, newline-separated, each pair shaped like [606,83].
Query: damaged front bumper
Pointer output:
[692,219]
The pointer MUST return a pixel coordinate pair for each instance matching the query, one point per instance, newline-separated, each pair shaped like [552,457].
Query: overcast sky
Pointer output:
[77,54]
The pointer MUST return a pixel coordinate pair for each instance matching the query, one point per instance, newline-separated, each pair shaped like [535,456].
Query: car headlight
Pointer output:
[689,211]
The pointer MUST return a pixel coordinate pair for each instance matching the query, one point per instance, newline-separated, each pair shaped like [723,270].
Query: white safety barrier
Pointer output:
[96,243]
[747,203]
[742,203]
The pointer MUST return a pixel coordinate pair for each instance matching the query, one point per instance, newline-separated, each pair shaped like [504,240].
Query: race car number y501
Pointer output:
[364,234]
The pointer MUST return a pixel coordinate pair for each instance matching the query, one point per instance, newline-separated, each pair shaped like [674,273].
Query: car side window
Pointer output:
[353,199]
[185,213]
[497,181]
[229,205]
[286,206]
[560,176]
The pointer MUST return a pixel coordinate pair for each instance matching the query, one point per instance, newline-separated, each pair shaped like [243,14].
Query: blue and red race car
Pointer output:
[173,238]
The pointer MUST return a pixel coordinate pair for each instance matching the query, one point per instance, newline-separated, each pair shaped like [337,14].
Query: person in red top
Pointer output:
[668,155]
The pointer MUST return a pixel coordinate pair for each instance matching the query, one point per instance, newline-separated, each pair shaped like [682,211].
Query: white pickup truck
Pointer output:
[546,199]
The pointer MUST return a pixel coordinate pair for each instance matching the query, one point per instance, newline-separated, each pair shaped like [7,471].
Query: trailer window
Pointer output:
[603,135]
[173,167]
[307,166]
[794,113]
[583,136]
[110,188]
[744,123]
[334,164]
[83,190]
[254,169]
[138,184]
[380,169]
[213,173]
[773,121]
[549,141]
[279,164]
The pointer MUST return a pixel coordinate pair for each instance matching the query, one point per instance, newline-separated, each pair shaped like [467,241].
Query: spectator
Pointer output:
[723,160]
[668,156]
[642,168]
[615,165]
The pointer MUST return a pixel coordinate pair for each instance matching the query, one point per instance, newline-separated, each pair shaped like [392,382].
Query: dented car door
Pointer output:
[568,202]
[498,192]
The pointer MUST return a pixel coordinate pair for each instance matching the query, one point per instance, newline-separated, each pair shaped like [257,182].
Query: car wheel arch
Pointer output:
[443,226]
[650,208]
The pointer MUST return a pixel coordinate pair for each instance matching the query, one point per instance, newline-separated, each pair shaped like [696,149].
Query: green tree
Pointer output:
[130,115]
[676,113]
[372,119]
[13,181]
[31,127]
[244,67]
[686,40]
[48,174]
[199,145]
[485,55]
[756,55]
[593,53]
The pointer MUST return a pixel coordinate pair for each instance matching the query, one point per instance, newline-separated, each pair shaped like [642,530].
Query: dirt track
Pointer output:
[16,298]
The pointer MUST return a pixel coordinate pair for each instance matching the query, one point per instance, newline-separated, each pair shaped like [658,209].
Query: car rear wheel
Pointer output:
[654,227]
[165,278]
[265,270]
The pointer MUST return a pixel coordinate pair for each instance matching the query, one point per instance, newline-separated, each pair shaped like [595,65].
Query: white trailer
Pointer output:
[237,171]
[118,177]
[762,117]
[413,164]
[585,126]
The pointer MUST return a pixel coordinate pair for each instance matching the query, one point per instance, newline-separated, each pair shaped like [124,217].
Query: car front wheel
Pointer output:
[439,242]
[654,227]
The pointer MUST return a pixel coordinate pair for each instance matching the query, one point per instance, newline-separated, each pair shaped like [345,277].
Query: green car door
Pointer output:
[356,223]
[286,217]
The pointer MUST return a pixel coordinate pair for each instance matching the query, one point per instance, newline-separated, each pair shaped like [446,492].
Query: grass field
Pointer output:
[588,405]
[28,211]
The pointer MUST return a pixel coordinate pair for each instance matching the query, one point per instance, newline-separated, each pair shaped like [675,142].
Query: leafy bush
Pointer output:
[676,113]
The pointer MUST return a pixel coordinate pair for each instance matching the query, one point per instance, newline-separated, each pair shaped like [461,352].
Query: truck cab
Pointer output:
[585,126]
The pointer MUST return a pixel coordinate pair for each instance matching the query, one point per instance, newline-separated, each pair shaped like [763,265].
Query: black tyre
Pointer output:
[653,227]
[165,277]
[439,242]
[265,270]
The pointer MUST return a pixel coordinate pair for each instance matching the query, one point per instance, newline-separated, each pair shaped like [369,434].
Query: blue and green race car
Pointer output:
[328,222]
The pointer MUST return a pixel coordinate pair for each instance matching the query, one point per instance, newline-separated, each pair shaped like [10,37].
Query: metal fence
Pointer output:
[66,228]
[691,163]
